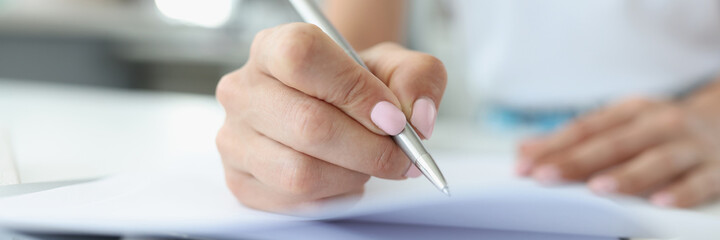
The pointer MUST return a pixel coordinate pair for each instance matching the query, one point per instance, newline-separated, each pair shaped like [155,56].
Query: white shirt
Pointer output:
[579,53]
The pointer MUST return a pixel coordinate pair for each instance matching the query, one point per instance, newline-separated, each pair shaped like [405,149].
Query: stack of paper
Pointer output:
[190,199]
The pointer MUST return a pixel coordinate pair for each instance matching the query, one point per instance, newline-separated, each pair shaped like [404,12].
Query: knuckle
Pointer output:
[298,177]
[235,86]
[672,118]
[430,62]
[434,67]
[259,40]
[232,154]
[353,91]
[384,164]
[223,90]
[312,123]
[221,140]
[294,46]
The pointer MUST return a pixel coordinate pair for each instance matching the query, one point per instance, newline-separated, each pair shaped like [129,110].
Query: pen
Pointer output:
[408,140]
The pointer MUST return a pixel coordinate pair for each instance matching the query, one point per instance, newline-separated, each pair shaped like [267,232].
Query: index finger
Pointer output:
[301,56]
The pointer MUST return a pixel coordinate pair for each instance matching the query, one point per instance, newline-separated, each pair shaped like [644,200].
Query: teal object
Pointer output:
[542,121]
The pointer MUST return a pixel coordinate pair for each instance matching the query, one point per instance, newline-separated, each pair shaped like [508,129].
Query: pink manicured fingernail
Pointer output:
[663,200]
[423,116]
[603,185]
[388,117]
[547,175]
[413,171]
[523,168]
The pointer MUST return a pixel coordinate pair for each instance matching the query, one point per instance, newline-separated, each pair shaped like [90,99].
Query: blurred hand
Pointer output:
[641,147]
[305,122]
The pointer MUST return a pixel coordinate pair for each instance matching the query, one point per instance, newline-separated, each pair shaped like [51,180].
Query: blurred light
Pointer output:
[204,13]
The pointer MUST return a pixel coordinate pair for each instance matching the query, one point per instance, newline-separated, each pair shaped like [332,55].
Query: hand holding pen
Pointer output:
[305,122]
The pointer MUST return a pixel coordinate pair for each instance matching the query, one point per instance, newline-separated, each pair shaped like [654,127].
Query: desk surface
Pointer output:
[61,132]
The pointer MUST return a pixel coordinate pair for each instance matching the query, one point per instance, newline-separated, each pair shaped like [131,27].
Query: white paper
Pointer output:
[351,230]
[190,198]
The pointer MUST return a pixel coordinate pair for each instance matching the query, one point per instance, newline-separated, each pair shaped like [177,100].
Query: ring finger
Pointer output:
[291,173]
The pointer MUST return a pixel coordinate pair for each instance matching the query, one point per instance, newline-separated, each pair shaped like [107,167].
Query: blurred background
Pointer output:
[171,45]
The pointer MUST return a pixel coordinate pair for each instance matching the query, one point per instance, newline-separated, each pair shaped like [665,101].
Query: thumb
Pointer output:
[417,79]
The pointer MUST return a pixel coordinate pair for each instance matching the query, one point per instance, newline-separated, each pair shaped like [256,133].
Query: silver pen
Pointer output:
[408,140]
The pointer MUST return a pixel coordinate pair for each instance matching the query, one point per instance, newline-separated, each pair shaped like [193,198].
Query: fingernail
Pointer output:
[424,115]
[547,175]
[388,117]
[603,185]
[523,168]
[663,200]
[413,171]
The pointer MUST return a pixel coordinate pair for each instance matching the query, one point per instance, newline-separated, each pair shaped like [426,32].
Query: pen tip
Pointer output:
[446,191]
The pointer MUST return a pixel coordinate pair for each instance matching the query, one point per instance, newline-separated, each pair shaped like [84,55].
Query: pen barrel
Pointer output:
[410,143]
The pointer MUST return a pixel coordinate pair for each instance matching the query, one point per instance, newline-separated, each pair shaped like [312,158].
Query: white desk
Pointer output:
[64,132]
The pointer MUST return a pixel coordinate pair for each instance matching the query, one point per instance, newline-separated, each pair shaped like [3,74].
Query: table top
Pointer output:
[63,132]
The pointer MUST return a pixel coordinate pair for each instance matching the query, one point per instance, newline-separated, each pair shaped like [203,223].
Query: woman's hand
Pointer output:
[305,122]
[661,149]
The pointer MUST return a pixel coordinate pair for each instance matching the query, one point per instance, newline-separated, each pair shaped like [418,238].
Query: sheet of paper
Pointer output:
[190,198]
[486,194]
[352,230]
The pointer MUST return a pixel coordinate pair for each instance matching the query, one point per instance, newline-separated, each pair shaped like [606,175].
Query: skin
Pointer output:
[382,20]
[298,127]
[666,150]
